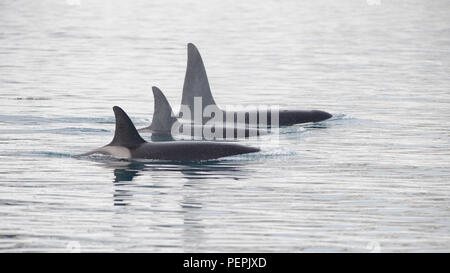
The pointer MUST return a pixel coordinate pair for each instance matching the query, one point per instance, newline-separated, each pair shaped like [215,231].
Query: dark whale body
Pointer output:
[127,143]
[196,84]
[164,120]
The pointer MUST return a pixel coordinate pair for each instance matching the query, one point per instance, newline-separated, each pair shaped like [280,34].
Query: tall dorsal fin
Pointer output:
[163,117]
[126,134]
[196,81]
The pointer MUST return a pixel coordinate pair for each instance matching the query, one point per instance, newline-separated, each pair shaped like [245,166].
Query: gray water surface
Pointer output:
[373,178]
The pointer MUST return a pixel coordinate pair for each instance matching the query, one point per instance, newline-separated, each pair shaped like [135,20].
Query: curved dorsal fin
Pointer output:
[163,117]
[126,134]
[196,81]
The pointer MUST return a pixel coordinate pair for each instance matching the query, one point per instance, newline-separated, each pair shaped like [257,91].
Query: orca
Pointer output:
[128,144]
[164,121]
[196,84]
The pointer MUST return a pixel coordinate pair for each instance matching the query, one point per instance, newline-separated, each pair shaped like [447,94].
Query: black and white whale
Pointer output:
[196,85]
[165,123]
[128,144]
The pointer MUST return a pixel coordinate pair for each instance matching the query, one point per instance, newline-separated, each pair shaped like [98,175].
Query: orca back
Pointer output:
[196,81]
[163,117]
[125,134]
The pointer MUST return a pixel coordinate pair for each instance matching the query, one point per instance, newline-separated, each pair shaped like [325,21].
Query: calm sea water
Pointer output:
[376,177]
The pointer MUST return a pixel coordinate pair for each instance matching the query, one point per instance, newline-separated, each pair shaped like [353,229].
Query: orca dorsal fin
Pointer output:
[126,134]
[163,117]
[196,81]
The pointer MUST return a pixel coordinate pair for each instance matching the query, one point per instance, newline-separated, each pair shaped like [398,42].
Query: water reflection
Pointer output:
[213,170]
[192,207]
[193,229]
[126,171]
